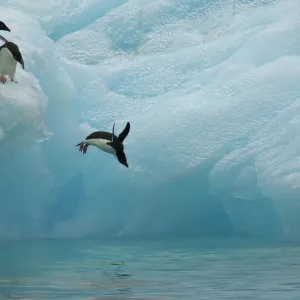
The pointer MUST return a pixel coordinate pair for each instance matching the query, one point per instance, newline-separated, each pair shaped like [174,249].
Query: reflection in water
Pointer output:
[82,275]
[183,270]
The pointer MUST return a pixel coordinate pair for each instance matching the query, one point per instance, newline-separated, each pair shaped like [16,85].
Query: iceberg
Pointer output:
[211,90]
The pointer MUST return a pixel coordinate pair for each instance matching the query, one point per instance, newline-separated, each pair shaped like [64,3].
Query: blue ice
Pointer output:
[212,93]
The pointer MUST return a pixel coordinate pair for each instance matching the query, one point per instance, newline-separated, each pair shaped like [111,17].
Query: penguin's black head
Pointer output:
[122,158]
[14,49]
[3,26]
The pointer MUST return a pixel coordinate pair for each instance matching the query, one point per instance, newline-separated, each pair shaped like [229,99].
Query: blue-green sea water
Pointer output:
[213,269]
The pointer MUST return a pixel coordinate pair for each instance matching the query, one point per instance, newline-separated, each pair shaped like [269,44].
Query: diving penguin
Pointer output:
[3,26]
[9,56]
[107,142]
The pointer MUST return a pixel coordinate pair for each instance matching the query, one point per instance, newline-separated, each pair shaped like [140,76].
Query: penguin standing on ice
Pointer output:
[9,56]
[107,142]
[3,26]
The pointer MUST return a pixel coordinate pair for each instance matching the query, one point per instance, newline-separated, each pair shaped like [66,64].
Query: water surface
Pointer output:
[161,269]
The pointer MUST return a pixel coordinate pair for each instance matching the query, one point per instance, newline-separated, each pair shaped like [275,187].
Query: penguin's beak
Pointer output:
[122,158]
[125,164]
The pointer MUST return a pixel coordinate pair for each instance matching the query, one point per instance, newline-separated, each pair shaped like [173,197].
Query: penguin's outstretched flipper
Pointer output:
[125,132]
[113,133]
[3,39]
[4,27]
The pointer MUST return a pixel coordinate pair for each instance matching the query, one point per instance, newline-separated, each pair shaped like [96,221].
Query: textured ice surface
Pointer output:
[212,94]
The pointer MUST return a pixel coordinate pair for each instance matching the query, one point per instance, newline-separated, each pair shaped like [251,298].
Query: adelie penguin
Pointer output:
[10,55]
[108,142]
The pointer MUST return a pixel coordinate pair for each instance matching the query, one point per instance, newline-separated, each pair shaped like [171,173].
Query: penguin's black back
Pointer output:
[101,135]
[106,136]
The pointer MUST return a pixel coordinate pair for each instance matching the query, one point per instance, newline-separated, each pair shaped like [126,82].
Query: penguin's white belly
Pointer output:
[101,144]
[8,64]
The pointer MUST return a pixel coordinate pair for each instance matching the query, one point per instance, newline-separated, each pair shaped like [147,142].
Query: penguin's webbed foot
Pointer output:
[2,79]
[81,147]
[85,148]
